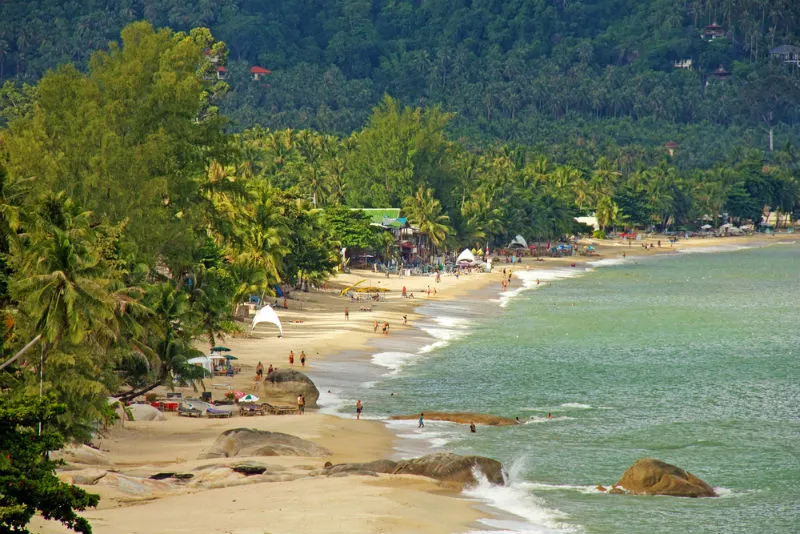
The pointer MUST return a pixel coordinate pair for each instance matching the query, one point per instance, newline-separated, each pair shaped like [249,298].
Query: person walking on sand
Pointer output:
[291,358]
[405,319]
[359,409]
[301,404]
[259,370]
[429,291]
[303,358]
[385,328]
[375,329]
[421,420]
[346,313]
[405,293]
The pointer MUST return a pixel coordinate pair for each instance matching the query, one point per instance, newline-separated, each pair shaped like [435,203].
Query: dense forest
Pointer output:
[544,73]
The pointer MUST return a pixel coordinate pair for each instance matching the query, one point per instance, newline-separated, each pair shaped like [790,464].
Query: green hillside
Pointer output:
[536,72]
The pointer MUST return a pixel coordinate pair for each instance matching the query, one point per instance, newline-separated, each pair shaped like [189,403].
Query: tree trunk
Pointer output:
[771,139]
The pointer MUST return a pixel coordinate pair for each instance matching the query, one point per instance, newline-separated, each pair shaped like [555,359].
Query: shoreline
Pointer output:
[315,323]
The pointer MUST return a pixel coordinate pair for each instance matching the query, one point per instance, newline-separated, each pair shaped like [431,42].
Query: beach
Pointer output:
[315,323]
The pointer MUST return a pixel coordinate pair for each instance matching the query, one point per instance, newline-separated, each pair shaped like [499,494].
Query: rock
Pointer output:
[600,488]
[249,468]
[81,454]
[461,417]
[139,487]
[287,384]
[145,412]
[378,466]
[450,467]
[649,476]
[84,477]
[251,442]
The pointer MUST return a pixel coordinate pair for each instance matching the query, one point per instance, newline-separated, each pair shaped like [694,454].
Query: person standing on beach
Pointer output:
[346,313]
[405,319]
[301,404]
[259,370]
[421,420]
[359,408]
[303,358]
[375,329]
[291,358]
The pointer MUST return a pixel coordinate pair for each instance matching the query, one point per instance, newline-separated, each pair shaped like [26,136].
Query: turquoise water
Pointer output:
[691,358]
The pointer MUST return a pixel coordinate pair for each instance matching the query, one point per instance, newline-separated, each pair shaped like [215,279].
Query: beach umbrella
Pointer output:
[238,394]
[229,357]
[249,398]
[220,349]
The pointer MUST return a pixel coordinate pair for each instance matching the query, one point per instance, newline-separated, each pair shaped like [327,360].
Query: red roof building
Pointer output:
[257,72]
[222,73]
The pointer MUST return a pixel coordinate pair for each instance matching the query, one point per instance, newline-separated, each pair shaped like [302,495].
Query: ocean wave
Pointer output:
[445,329]
[394,360]
[542,419]
[577,405]
[557,487]
[517,499]
[715,248]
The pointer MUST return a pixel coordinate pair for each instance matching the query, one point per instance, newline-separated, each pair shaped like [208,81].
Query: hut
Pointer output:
[671,147]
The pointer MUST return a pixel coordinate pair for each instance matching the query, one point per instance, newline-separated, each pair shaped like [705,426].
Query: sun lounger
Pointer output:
[278,410]
[251,409]
[187,411]
[216,412]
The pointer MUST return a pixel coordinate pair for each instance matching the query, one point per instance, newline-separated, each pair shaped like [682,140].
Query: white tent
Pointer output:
[518,241]
[205,362]
[267,315]
[466,256]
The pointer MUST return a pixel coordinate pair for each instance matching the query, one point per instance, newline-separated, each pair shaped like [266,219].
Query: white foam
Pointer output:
[445,329]
[517,499]
[714,248]
[540,419]
[607,262]
[577,405]
[394,360]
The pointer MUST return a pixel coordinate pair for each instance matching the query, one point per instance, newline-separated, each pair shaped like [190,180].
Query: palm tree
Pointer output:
[424,210]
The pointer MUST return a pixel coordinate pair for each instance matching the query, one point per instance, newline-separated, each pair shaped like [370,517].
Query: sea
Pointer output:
[692,358]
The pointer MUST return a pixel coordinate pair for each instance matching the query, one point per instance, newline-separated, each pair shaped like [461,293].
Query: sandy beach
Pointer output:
[294,501]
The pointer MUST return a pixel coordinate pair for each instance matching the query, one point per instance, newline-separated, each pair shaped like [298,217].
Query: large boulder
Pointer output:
[378,466]
[286,384]
[145,412]
[462,417]
[649,476]
[81,455]
[252,442]
[450,467]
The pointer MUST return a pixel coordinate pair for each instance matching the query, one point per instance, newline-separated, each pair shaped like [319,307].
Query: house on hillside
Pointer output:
[222,73]
[683,64]
[257,72]
[671,147]
[713,31]
[787,53]
[720,73]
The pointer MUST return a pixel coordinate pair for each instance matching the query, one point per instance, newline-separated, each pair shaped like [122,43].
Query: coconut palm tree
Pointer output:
[424,210]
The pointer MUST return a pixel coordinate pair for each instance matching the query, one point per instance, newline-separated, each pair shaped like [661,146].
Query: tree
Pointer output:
[350,228]
[424,210]
[27,475]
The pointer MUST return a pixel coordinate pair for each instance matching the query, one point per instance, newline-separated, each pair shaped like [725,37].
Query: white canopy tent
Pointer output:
[267,315]
[466,257]
[206,362]
[518,241]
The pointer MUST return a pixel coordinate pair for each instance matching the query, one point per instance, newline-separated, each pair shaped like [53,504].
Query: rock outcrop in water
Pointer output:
[649,476]
[251,442]
[462,417]
[446,467]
